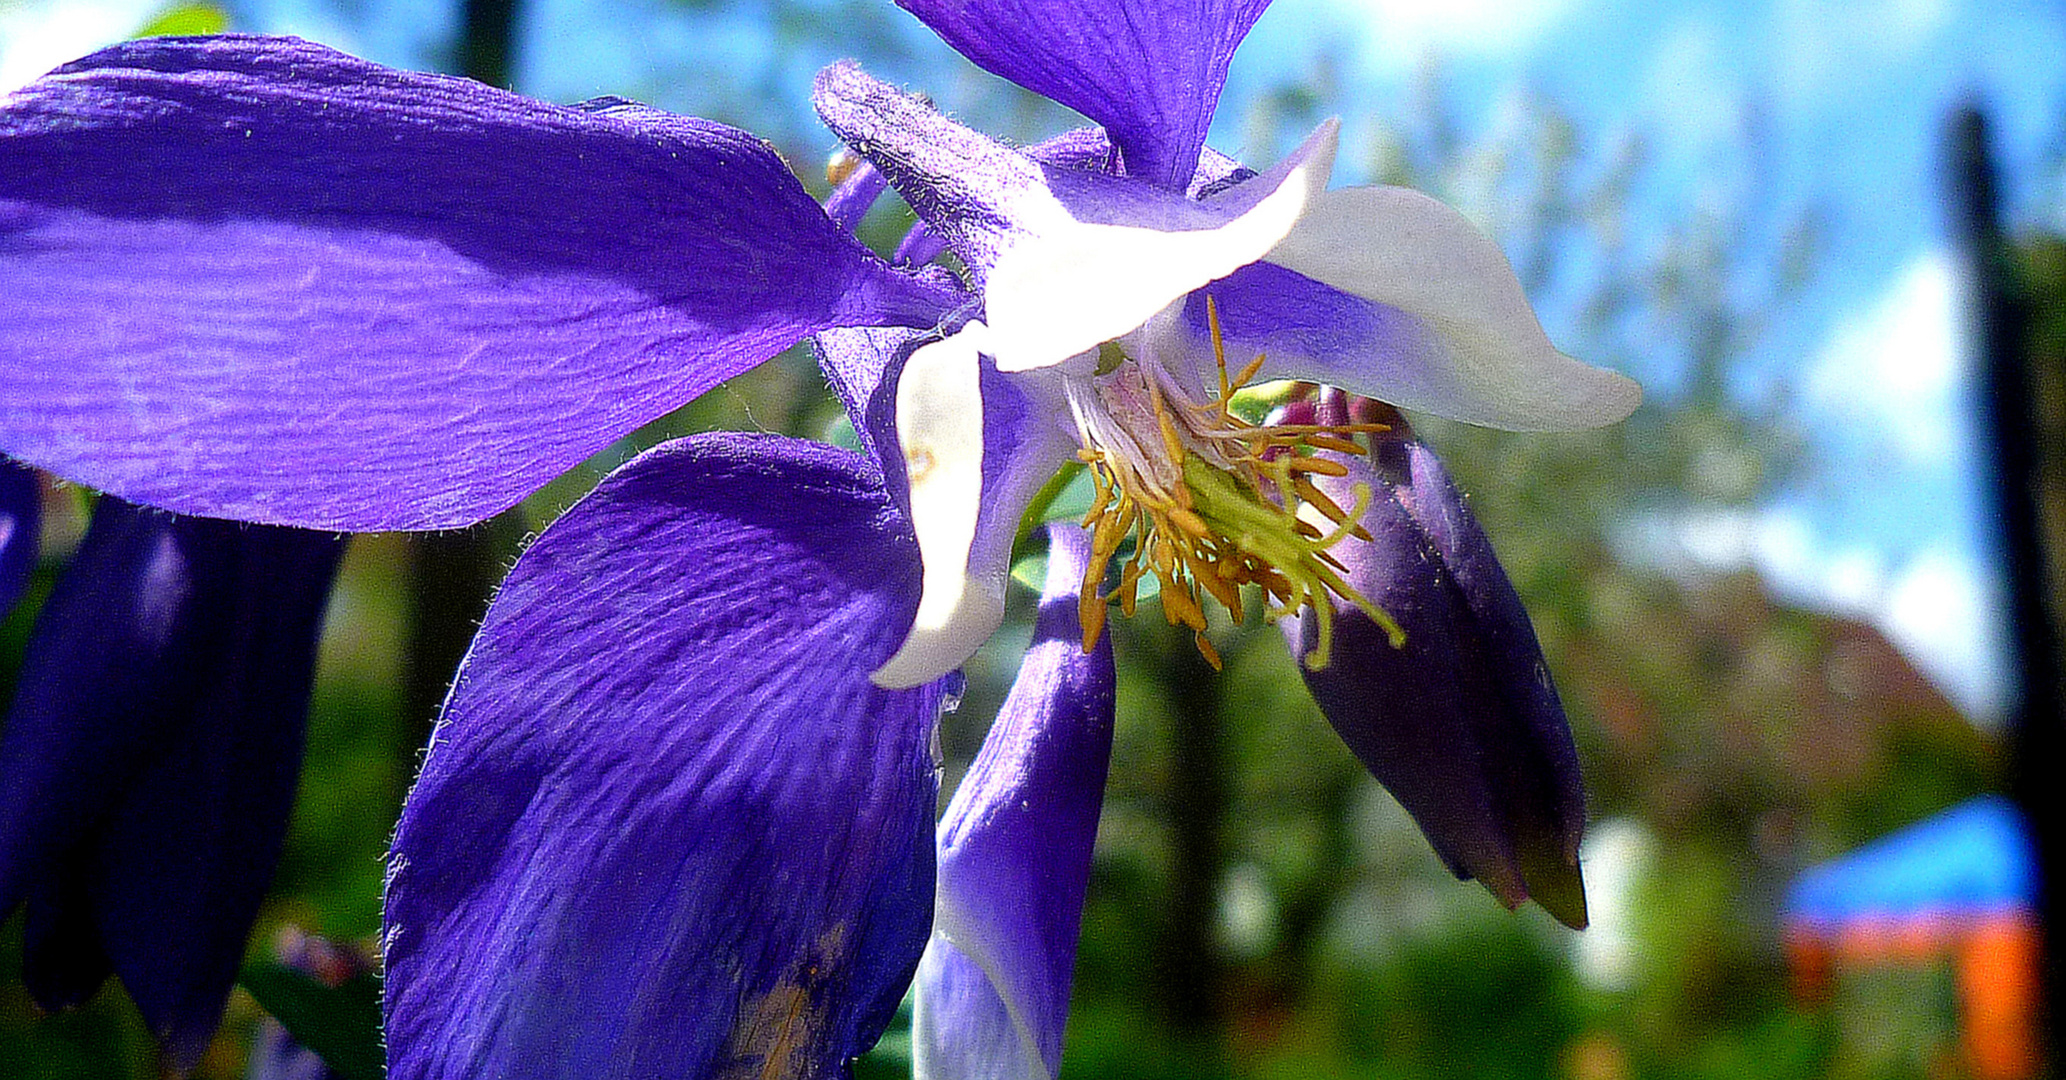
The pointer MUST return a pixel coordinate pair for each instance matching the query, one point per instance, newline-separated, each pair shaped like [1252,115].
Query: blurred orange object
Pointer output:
[1956,887]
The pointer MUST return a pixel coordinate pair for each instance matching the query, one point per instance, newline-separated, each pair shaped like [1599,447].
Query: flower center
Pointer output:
[1210,501]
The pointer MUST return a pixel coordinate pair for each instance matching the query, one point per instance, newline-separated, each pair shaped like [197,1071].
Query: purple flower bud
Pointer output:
[1461,722]
[149,759]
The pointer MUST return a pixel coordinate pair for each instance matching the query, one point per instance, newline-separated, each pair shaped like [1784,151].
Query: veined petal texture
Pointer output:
[151,754]
[255,278]
[1015,848]
[21,524]
[1149,74]
[667,827]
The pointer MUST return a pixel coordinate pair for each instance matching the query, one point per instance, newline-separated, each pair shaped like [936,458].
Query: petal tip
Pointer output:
[1596,397]
[1557,885]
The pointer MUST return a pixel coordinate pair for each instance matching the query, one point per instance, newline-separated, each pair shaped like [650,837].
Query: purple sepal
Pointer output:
[1088,150]
[1151,79]
[1015,848]
[667,826]
[1460,723]
[21,524]
[862,366]
[151,755]
[255,278]
[1508,637]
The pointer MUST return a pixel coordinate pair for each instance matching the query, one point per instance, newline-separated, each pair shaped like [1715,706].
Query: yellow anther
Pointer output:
[1090,610]
[1323,466]
[1330,442]
[1205,649]
[844,163]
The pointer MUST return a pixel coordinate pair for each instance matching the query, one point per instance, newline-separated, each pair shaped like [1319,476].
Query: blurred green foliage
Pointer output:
[187,20]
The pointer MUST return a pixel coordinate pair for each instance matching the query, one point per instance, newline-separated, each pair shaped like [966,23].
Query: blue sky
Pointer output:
[1888,524]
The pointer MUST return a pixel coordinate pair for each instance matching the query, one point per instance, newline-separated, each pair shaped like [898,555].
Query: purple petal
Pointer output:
[1089,149]
[1469,746]
[859,364]
[965,185]
[981,196]
[1397,247]
[255,278]
[21,524]
[967,504]
[1015,847]
[1024,440]
[1151,79]
[1027,436]
[961,1027]
[150,759]
[1308,331]
[1084,149]
[667,825]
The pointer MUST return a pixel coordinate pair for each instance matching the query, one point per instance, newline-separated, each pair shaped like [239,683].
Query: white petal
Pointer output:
[1401,248]
[940,430]
[1078,283]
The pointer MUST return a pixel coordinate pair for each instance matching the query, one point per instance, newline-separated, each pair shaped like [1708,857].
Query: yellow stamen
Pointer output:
[1218,505]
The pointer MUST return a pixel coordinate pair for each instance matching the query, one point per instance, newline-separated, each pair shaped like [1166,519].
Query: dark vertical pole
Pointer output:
[486,41]
[1189,965]
[455,573]
[2002,322]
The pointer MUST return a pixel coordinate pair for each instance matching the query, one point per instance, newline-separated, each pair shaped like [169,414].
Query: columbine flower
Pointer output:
[677,818]
[1100,341]
[150,758]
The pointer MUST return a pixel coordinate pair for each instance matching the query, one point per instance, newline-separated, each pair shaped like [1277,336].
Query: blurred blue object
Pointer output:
[1973,859]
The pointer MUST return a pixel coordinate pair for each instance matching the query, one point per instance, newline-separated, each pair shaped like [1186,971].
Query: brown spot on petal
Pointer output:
[782,1034]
